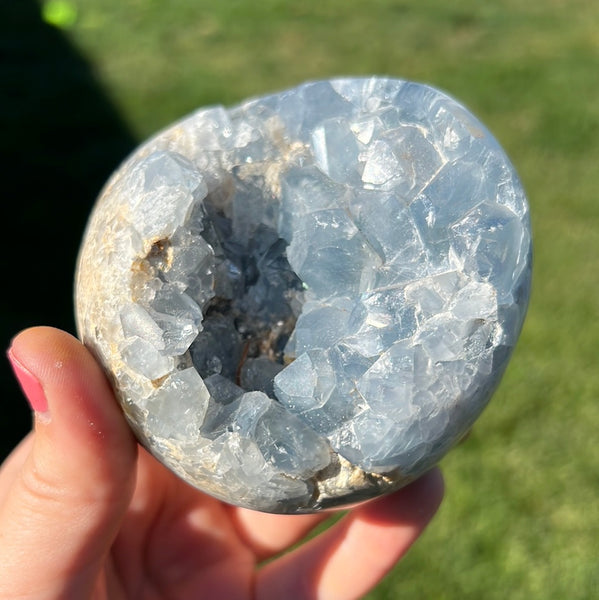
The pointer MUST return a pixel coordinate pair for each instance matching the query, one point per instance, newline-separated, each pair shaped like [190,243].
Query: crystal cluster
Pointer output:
[307,299]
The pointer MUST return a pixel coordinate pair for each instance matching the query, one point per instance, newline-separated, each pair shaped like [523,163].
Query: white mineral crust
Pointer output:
[306,300]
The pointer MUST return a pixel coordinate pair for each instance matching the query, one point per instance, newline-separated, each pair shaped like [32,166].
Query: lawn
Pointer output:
[521,515]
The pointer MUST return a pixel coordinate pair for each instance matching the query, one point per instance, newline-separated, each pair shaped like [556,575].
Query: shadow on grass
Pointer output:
[61,139]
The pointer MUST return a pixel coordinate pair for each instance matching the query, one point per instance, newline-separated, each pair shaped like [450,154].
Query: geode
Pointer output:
[306,300]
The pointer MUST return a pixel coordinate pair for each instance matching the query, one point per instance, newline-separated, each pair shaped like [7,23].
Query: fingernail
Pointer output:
[30,385]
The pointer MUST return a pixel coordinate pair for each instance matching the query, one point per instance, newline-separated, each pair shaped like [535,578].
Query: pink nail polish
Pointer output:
[30,385]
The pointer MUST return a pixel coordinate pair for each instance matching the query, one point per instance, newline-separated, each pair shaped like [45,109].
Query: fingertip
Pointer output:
[57,364]
[30,385]
[417,502]
[76,410]
[49,354]
[428,490]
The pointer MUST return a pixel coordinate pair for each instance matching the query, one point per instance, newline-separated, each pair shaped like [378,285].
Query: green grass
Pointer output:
[521,514]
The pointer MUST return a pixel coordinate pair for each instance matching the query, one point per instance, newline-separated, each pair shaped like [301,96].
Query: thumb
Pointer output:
[61,507]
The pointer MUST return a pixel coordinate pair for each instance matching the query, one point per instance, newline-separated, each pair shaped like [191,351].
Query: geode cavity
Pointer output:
[307,299]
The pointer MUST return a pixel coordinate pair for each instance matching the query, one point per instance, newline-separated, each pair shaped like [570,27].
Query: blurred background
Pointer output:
[83,81]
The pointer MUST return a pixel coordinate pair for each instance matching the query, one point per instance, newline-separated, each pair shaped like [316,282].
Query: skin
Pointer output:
[86,513]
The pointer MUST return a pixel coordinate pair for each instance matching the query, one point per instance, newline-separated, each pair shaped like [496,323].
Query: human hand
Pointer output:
[86,513]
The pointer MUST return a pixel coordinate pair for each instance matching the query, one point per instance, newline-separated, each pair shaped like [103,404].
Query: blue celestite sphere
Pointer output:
[306,300]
